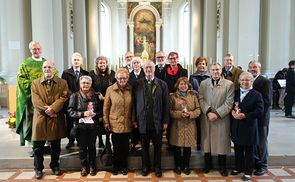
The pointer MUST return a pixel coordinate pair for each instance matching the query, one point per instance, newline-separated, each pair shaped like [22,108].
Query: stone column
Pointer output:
[196,30]
[131,36]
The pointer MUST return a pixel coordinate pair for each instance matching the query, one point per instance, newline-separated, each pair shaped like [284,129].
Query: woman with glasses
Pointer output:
[84,109]
[117,111]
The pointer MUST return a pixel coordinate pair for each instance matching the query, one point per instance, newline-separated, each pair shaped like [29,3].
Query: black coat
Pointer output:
[160,73]
[264,87]
[133,79]
[160,104]
[100,83]
[72,81]
[245,131]
[172,79]
[290,81]
[78,105]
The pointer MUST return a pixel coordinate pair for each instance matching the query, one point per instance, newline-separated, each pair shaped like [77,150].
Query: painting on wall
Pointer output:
[144,35]
[131,6]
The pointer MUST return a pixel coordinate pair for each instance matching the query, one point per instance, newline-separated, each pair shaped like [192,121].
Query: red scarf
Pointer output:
[172,72]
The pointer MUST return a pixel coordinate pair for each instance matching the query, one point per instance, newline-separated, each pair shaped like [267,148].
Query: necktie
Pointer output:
[77,74]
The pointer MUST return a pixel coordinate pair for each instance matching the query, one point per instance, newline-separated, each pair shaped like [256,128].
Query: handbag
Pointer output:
[106,156]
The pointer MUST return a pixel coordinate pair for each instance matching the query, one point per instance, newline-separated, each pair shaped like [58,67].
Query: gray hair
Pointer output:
[85,77]
[33,43]
[255,62]
[246,73]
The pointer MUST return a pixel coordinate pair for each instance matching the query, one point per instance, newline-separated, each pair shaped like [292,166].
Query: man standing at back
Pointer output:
[263,86]
[72,76]
[128,60]
[151,110]
[230,72]
[29,70]
[161,65]
[49,93]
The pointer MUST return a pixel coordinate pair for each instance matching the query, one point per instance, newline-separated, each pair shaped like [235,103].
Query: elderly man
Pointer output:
[128,60]
[230,72]
[49,93]
[161,65]
[263,86]
[216,100]
[29,70]
[151,106]
[72,76]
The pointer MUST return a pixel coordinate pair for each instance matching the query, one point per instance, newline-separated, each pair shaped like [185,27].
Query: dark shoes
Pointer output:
[115,171]
[93,171]
[177,170]
[38,174]
[260,172]
[84,171]
[145,172]
[186,170]
[290,116]
[246,177]
[124,171]
[56,171]
[31,153]
[207,169]
[158,172]
[235,172]
[223,172]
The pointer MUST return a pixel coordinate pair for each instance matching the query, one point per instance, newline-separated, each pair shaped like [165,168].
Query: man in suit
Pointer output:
[128,60]
[151,110]
[161,65]
[230,72]
[72,76]
[290,89]
[262,85]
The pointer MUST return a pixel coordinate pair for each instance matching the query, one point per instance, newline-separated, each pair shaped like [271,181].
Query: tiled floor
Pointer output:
[275,174]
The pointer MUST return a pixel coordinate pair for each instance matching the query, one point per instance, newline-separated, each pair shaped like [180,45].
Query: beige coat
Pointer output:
[54,96]
[183,130]
[215,136]
[117,109]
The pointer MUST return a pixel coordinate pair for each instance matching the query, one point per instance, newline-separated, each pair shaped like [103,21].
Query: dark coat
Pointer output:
[132,78]
[160,73]
[172,79]
[44,127]
[78,105]
[245,131]
[233,76]
[290,81]
[70,77]
[100,82]
[160,104]
[263,86]
[196,78]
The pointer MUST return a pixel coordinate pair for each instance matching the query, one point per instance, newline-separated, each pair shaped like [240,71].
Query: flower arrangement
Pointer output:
[11,120]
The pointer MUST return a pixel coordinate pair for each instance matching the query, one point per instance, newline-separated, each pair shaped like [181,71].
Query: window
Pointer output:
[184,34]
[105,29]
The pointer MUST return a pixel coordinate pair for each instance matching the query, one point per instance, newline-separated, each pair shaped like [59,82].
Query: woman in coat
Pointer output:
[244,128]
[184,109]
[117,111]
[102,77]
[84,108]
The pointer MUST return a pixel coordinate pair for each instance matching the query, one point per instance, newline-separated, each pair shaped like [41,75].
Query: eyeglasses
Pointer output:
[86,83]
[128,56]
[160,57]
[173,58]
[122,78]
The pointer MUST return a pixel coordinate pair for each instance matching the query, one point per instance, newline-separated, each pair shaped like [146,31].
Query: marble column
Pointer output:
[196,30]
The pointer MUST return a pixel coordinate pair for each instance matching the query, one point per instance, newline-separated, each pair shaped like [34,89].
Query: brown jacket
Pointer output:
[54,96]
[117,109]
[183,130]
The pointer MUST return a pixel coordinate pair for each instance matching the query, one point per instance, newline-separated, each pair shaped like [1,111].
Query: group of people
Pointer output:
[138,102]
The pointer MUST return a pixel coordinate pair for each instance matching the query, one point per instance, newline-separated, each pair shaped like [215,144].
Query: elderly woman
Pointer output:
[102,77]
[184,109]
[84,108]
[244,128]
[117,111]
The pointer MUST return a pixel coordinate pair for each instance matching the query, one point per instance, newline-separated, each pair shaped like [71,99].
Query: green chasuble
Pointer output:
[29,70]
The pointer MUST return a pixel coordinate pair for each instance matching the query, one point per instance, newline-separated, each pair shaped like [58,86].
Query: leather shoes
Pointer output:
[235,172]
[56,171]
[246,177]
[38,174]
[158,172]
[290,116]
[145,172]
[93,171]
[114,171]
[260,172]
[177,170]
[186,170]
[125,171]
[84,171]
[223,172]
